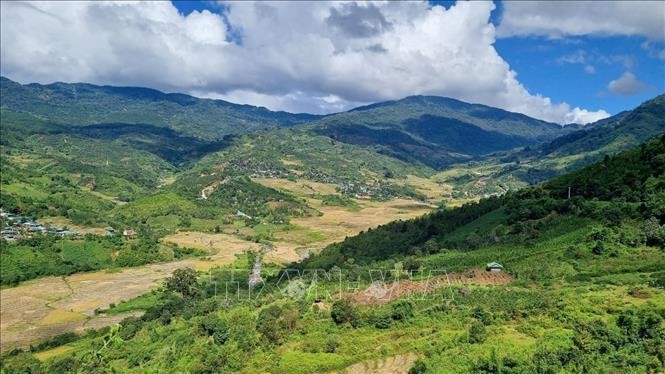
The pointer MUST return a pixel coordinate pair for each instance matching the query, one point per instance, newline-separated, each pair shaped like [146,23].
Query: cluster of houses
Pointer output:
[17,227]
[380,191]
[257,168]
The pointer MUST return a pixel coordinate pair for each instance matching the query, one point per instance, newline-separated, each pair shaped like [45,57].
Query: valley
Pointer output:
[30,314]
[334,231]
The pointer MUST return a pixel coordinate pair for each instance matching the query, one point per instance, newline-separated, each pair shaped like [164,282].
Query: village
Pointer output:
[16,227]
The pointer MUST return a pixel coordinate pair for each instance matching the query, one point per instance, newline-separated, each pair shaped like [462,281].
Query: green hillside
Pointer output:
[295,154]
[536,163]
[81,104]
[609,136]
[583,290]
[631,184]
[435,131]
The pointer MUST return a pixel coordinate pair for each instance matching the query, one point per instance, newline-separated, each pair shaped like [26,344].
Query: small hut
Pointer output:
[129,233]
[494,266]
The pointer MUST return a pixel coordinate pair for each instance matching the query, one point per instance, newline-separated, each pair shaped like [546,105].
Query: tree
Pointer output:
[184,282]
[411,264]
[654,232]
[473,240]
[430,246]
[212,325]
[276,322]
[343,311]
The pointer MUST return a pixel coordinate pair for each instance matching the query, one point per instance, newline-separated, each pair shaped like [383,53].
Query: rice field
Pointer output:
[46,307]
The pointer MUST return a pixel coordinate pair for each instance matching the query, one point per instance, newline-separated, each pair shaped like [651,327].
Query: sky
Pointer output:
[560,61]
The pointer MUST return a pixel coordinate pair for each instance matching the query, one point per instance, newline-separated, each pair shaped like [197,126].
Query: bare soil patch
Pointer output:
[205,192]
[382,293]
[390,365]
[65,222]
[224,248]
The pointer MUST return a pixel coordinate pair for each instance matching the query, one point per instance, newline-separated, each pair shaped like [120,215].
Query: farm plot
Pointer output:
[46,307]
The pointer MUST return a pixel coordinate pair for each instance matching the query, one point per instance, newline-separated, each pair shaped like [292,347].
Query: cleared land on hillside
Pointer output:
[389,365]
[384,293]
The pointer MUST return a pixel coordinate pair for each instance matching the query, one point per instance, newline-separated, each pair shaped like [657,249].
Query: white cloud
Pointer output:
[580,57]
[626,85]
[653,50]
[578,115]
[556,19]
[314,56]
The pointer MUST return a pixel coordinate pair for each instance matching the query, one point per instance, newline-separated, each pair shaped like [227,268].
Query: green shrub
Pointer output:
[276,322]
[402,310]
[477,332]
[419,367]
[332,343]
[382,320]
[343,311]
[482,315]
[213,325]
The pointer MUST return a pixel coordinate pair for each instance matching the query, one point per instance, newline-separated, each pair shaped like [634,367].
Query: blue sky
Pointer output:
[560,61]
[542,65]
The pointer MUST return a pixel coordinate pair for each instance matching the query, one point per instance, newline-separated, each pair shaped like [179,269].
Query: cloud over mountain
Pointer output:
[315,56]
[556,19]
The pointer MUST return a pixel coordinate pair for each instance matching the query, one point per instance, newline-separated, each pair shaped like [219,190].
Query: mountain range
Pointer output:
[565,275]
[434,131]
[131,143]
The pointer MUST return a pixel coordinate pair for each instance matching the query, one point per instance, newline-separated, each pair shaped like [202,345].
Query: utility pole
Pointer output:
[568,192]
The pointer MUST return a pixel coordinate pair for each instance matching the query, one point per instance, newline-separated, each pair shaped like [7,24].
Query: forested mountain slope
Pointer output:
[630,185]
[435,131]
[536,163]
[611,135]
[79,104]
